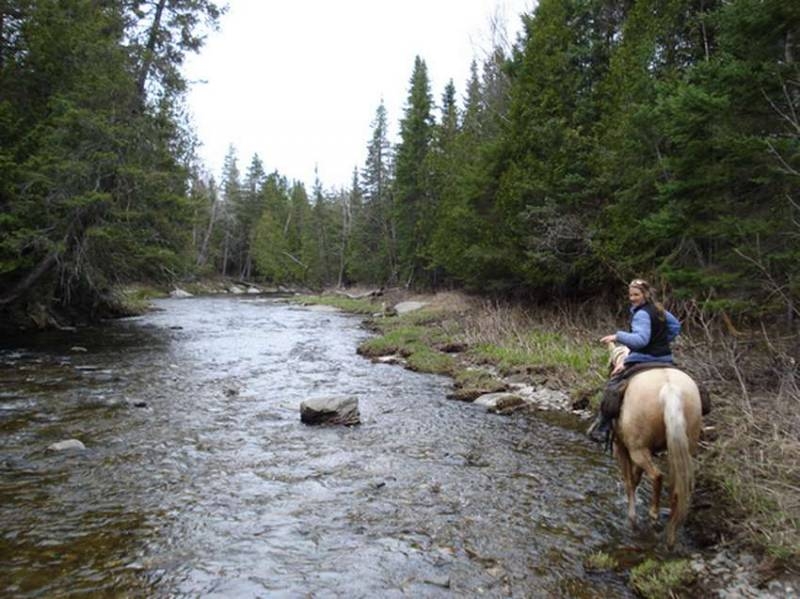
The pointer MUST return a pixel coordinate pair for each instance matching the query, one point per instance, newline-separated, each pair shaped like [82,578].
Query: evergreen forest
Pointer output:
[613,139]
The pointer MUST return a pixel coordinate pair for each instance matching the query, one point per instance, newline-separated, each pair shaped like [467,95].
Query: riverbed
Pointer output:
[198,478]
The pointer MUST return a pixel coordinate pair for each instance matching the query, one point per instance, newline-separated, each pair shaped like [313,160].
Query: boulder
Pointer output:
[177,292]
[67,445]
[330,410]
[496,402]
[405,307]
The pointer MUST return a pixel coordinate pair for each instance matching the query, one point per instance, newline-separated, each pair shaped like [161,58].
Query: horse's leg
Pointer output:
[644,459]
[631,475]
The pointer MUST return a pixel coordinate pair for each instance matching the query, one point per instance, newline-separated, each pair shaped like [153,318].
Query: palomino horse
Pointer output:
[661,411]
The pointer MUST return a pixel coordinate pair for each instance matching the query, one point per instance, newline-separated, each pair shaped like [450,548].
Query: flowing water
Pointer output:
[198,478]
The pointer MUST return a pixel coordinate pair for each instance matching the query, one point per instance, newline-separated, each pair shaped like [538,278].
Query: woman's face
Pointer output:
[636,296]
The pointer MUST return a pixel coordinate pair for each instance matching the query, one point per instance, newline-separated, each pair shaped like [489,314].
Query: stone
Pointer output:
[392,359]
[67,445]
[330,410]
[508,404]
[404,307]
[179,293]
[492,401]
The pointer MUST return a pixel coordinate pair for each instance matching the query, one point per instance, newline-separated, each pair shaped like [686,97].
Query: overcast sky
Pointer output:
[298,81]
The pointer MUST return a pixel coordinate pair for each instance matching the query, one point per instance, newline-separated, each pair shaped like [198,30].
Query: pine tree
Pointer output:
[93,185]
[413,202]
[374,241]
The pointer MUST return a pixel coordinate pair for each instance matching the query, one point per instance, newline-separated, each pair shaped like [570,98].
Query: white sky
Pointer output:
[298,81]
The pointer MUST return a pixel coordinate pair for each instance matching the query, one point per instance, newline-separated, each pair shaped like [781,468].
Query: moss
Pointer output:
[471,383]
[424,359]
[661,580]
[601,561]
[135,299]
[404,341]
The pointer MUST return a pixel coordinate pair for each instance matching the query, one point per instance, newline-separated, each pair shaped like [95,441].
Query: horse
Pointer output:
[661,411]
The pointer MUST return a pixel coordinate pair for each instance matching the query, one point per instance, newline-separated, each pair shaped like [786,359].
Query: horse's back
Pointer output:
[641,421]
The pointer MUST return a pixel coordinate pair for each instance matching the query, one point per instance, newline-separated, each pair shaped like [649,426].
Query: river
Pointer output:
[198,478]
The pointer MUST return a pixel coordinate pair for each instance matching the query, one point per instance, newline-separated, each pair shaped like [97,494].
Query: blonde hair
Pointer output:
[649,295]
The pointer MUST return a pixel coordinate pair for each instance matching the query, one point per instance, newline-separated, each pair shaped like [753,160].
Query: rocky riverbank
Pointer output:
[507,360]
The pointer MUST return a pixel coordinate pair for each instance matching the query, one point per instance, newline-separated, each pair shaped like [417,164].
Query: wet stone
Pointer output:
[67,445]
[498,401]
[330,410]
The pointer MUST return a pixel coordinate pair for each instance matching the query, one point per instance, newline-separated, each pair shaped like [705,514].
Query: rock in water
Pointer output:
[69,444]
[499,401]
[330,410]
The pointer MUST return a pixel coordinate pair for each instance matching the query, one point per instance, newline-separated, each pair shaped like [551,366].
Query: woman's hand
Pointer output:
[609,339]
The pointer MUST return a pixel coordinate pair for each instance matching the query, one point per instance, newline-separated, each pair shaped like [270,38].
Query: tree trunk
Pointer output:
[150,48]
[225,255]
[72,236]
[202,255]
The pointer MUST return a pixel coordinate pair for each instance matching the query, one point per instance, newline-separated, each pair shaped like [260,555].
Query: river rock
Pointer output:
[178,292]
[330,410]
[67,445]
[495,402]
[508,404]
[404,307]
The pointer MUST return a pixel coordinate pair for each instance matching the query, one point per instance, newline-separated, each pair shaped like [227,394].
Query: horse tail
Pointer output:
[679,458]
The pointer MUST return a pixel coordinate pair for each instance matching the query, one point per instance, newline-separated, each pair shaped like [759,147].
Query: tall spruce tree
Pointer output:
[375,239]
[413,201]
[546,187]
[248,208]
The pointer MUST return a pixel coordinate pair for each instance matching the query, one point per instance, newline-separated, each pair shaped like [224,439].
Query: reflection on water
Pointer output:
[199,479]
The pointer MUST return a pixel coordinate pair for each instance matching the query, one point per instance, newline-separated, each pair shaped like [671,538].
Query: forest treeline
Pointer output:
[656,138]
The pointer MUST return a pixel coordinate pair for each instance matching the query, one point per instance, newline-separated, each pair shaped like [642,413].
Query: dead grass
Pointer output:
[750,461]
[751,455]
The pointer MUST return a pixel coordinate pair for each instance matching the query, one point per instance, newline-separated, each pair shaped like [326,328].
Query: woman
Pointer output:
[652,331]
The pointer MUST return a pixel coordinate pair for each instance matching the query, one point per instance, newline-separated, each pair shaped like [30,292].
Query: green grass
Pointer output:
[477,377]
[135,299]
[543,349]
[404,341]
[354,306]
[429,360]
[661,580]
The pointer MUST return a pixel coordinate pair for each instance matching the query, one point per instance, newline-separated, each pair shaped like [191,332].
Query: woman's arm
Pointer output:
[673,326]
[640,331]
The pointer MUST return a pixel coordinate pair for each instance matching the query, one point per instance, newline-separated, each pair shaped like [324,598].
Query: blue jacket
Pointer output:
[639,336]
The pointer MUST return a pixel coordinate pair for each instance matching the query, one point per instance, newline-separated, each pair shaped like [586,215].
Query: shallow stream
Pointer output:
[198,478]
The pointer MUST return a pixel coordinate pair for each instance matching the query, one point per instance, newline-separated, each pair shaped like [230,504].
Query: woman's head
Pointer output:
[639,292]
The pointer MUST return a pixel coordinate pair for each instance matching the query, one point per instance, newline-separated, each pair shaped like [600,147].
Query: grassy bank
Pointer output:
[748,480]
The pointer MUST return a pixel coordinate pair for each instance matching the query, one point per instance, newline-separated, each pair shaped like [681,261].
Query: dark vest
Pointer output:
[659,344]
